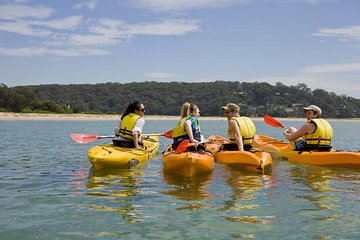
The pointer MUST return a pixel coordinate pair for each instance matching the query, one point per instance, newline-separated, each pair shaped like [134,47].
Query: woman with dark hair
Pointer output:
[130,126]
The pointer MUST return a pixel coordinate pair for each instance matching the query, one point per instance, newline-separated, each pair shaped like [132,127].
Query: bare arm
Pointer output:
[306,128]
[238,139]
[188,130]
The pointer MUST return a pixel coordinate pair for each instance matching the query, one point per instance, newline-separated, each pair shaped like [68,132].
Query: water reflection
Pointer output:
[313,185]
[244,184]
[188,188]
[243,201]
[117,187]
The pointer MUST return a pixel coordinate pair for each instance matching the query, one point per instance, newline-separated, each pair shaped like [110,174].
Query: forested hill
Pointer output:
[161,98]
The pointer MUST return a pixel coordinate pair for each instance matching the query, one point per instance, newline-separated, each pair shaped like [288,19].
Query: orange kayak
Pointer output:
[285,151]
[187,163]
[257,159]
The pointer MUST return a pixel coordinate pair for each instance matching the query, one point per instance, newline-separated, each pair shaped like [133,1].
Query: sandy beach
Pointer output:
[11,116]
[81,117]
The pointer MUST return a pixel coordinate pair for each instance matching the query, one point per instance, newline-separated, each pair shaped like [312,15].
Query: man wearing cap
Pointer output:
[315,134]
[241,130]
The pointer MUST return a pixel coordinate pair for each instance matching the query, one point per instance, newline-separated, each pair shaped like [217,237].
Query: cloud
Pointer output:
[59,24]
[23,28]
[181,5]
[162,75]
[42,51]
[168,27]
[333,68]
[17,11]
[352,32]
[27,27]
[89,4]
[35,21]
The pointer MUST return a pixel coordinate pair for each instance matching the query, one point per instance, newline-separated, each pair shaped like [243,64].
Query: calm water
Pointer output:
[48,190]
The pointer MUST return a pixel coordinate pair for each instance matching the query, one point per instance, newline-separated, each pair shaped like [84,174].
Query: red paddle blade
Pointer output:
[272,121]
[216,138]
[83,138]
[167,134]
[183,146]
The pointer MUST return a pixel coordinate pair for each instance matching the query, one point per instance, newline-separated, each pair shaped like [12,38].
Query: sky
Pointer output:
[315,42]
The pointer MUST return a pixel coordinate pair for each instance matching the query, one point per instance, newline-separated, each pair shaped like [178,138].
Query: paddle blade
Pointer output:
[167,134]
[272,121]
[83,138]
[183,146]
[216,138]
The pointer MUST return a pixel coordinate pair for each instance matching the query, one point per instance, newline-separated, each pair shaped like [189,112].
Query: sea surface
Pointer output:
[48,190]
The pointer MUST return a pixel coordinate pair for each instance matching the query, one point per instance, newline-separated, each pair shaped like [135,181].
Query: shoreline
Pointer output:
[11,116]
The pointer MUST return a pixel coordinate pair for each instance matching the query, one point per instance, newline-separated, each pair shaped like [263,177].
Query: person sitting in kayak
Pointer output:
[188,127]
[128,130]
[315,134]
[241,130]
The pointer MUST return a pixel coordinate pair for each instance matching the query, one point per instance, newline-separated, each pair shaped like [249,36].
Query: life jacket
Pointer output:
[179,132]
[127,125]
[322,135]
[247,130]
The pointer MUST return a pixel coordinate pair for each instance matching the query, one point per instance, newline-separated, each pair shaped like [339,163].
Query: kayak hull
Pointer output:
[258,160]
[322,158]
[271,145]
[107,155]
[187,163]
[284,150]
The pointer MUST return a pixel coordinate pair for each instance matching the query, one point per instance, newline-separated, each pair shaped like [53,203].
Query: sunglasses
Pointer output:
[142,110]
[226,112]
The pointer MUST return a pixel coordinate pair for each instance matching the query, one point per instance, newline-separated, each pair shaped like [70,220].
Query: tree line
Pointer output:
[159,98]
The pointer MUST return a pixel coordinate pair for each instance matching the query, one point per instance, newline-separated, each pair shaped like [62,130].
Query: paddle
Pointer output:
[272,121]
[185,144]
[167,134]
[86,138]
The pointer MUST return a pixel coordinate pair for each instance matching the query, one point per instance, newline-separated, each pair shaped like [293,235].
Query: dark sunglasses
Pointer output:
[142,110]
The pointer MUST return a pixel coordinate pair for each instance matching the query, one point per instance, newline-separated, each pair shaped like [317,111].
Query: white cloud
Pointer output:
[59,24]
[89,4]
[181,5]
[16,11]
[162,75]
[352,32]
[23,28]
[41,51]
[168,27]
[333,68]
[90,39]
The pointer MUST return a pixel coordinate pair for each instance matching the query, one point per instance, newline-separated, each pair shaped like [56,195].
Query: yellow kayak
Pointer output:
[187,163]
[257,159]
[286,152]
[322,158]
[270,145]
[107,155]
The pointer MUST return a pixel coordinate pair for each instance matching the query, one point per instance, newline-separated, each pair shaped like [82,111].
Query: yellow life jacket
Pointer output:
[179,132]
[127,125]
[247,130]
[322,135]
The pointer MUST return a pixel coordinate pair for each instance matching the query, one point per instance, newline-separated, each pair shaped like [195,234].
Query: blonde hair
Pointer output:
[188,109]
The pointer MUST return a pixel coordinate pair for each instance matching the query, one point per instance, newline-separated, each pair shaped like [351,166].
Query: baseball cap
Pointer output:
[231,107]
